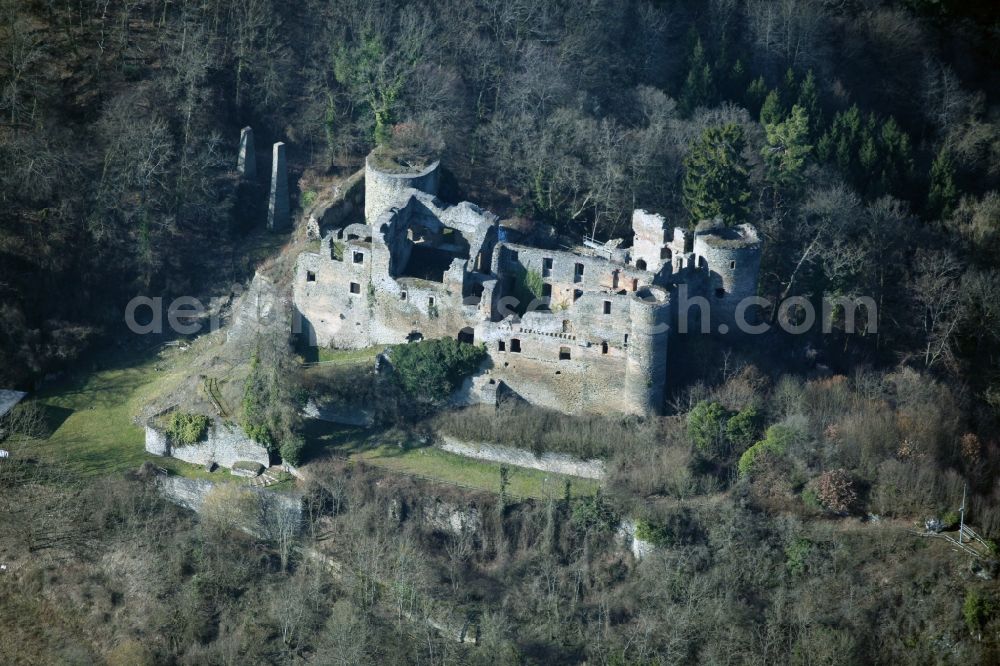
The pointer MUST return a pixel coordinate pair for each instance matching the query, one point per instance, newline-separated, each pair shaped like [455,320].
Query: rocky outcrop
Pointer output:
[627,536]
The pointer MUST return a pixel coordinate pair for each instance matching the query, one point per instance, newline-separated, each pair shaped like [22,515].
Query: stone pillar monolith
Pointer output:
[247,164]
[277,205]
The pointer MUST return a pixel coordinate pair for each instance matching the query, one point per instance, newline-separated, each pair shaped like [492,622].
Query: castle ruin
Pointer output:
[582,329]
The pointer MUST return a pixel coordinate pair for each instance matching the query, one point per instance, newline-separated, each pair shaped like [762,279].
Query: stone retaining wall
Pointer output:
[557,463]
[224,445]
[276,510]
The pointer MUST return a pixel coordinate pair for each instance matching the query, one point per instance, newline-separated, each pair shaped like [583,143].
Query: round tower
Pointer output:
[731,258]
[646,365]
[385,180]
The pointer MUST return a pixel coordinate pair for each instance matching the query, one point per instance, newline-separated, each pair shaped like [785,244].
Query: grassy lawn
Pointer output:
[437,465]
[89,415]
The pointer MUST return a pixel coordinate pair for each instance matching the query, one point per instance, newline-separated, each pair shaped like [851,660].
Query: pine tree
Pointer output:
[716,177]
[809,101]
[754,98]
[772,111]
[843,140]
[789,89]
[943,194]
[897,157]
[737,80]
[698,88]
[787,148]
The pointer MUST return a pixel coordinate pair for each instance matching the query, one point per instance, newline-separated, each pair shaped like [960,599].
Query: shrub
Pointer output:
[705,425]
[777,440]
[291,450]
[432,369]
[836,492]
[594,512]
[810,499]
[658,535]
[307,199]
[977,610]
[187,428]
[741,429]
[796,555]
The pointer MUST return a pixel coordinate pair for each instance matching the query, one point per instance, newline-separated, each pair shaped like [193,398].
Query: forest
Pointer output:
[781,487]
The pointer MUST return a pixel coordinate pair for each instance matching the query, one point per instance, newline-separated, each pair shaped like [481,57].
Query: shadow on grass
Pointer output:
[325,438]
[54,417]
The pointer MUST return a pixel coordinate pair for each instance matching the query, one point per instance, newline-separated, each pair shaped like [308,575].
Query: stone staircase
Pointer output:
[269,477]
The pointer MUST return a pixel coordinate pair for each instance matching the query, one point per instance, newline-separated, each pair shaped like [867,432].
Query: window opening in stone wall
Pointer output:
[641,264]
[604,347]
[665,253]
[515,345]
[576,295]
[310,276]
[578,273]
[467,335]
[359,257]
[430,301]
[607,307]
[626,339]
[564,354]
[355,288]
[402,295]
[635,284]
[732,264]
[501,346]
[566,326]
[546,266]
[546,290]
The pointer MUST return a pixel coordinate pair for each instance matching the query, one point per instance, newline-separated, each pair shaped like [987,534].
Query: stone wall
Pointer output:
[556,463]
[157,442]
[567,272]
[651,241]
[273,510]
[224,445]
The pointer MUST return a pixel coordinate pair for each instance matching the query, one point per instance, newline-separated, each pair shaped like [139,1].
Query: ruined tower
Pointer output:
[646,365]
[650,242]
[277,205]
[384,185]
[729,258]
